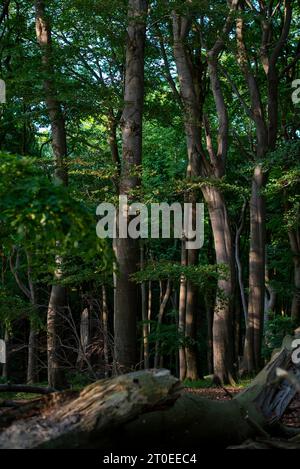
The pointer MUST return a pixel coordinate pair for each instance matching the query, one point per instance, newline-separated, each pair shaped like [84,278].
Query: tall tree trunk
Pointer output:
[254,333]
[85,336]
[182,318]
[127,250]
[190,322]
[266,135]
[270,296]
[56,307]
[164,301]
[239,230]
[105,327]
[6,364]
[209,307]
[57,121]
[237,322]
[296,295]
[294,237]
[257,255]
[145,327]
[192,116]
[32,373]
[223,329]
[192,73]
[58,295]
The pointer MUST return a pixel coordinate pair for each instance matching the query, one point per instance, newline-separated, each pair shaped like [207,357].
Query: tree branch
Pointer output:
[14,271]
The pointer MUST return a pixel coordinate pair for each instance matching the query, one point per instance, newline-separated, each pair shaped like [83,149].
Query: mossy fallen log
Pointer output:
[150,409]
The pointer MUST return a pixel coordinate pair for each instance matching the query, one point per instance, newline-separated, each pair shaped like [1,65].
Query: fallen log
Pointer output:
[271,443]
[151,409]
[25,388]
[69,419]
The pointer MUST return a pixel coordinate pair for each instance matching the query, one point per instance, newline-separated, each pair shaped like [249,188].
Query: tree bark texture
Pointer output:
[127,250]
[57,301]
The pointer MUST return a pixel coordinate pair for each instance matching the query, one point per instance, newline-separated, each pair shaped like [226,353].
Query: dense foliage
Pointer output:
[48,228]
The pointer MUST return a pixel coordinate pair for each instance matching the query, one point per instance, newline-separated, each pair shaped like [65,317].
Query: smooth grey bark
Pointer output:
[223,329]
[192,80]
[105,326]
[32,375]
[192,293]
[145,343]
[294,237]
[296,295]
[84,337]
[164,301]
[182,316]
[5,365]
[252,348]
[256,274]
[57,121]
[239,230]
[192,117]
[266,125]
[57,302]
[270,296]
[56,309]
[127,250]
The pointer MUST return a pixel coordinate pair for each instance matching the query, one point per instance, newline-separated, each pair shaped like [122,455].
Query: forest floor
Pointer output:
[291,417]
[205,389]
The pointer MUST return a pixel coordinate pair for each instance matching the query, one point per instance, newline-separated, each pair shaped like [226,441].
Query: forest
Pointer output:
[185,330]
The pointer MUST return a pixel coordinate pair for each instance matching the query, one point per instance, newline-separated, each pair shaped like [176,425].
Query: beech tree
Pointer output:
[181,102]
[267,125]
[57,301]
[192,76]
[127,250]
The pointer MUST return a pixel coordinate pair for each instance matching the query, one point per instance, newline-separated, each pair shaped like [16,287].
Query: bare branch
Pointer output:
[168,74]
[236,92]
[284,34]
[14,271]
